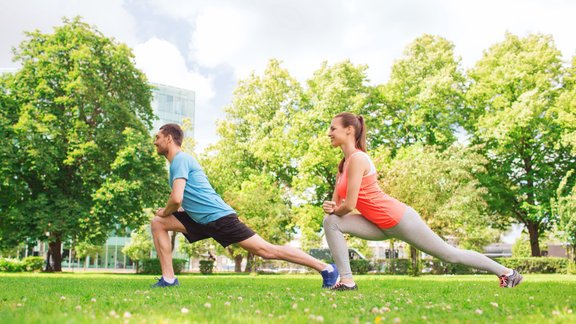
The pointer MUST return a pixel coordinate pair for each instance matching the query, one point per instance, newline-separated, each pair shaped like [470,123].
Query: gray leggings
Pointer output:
[411,229]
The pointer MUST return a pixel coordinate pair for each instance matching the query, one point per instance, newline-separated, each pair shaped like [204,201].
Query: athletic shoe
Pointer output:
[341,287]
[162,283]
[329,279]
[510,281]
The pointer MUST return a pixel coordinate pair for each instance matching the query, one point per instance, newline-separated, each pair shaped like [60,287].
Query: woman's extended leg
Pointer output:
[413,230]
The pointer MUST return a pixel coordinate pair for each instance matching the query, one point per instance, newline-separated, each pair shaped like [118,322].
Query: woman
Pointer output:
[381,216]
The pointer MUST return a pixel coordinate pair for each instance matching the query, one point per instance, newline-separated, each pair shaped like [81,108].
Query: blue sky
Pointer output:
[207,46]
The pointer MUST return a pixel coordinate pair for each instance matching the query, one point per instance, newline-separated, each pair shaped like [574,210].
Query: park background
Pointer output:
[474,149]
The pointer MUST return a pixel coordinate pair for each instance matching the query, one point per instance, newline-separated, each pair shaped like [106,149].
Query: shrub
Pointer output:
[206,266]
[152,266]
[392,266]
[360,266]
[536,264]
[33,263]
[11,265]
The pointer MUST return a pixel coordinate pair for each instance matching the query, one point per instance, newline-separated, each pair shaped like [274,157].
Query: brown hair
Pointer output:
[175,131]
[357,122]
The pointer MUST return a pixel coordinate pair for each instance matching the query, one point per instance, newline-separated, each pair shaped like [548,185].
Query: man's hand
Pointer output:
[329,207]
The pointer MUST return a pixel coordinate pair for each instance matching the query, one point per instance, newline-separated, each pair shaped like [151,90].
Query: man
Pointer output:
[197,211]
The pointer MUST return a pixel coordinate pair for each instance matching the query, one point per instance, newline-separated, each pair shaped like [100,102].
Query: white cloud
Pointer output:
[162,63]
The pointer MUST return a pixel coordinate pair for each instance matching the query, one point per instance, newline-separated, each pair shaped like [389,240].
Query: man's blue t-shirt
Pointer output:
[200,200]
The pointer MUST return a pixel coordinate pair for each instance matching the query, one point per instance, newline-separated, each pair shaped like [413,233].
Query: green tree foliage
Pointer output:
[424,98]
[521,248]
[80,155]
[442,187]
[514,88]
[566,207]
[140,245]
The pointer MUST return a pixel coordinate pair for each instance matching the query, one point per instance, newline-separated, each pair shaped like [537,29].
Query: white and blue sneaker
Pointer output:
[163,283]
[330,278]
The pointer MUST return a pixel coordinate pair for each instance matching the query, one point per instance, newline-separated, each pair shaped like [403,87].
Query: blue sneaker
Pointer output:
[329,279]
[162,283]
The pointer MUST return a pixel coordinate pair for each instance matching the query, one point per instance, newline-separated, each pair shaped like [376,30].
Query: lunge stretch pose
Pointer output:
[197,211]
[381,216]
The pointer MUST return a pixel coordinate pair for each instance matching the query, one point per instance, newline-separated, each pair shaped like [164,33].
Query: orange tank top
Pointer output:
[372,203]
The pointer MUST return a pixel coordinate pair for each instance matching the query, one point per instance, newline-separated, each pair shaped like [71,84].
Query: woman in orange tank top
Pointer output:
[381,217]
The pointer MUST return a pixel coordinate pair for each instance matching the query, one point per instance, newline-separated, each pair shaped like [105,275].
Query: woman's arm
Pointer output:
[356,170]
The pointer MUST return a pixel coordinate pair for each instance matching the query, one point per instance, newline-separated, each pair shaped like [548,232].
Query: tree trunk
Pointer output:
[137,262]
[49,267]
[173,240]
[415,266]
[534,244]
[392,257]
[54,249]
[249,263]
[238,263]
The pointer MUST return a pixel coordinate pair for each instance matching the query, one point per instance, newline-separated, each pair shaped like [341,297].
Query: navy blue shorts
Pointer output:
[226,230]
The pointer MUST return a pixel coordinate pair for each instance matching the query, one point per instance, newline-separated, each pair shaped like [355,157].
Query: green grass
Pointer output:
[87,298]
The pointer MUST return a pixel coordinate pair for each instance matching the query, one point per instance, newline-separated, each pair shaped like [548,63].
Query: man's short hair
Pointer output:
[175,131]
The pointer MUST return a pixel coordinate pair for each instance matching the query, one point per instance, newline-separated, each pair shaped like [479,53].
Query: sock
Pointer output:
[329,268]
[349,284]
[170,280]
[511,272]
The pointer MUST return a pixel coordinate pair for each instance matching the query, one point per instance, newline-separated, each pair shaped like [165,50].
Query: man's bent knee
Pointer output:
[157,224]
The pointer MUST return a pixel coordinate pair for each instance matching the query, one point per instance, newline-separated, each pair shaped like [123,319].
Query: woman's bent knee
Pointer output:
[331,222]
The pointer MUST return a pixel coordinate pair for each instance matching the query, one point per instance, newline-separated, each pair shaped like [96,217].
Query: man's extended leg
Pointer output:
[258,246]
[160,227]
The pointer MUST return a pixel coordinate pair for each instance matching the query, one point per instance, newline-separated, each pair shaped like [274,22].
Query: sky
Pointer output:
[207,46]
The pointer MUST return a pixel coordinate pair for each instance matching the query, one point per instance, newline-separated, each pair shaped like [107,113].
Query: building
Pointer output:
[173,105]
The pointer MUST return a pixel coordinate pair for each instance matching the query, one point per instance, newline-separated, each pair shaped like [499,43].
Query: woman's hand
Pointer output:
[329,207]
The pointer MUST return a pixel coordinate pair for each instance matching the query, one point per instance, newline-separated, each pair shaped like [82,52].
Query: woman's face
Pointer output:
[337,132]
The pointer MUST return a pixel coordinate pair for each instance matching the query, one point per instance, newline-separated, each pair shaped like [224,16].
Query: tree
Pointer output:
[512,92]
[81,155]
[565,201]
[423,100]
[140,246]
[442,187]
[261,205]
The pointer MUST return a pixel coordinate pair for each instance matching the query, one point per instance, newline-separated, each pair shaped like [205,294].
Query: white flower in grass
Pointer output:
[294,306]
[569,311]
[409,301]
[384,309]
[375,310]
[478,311]
[531,297]
[494,304]
[93,300]
[240,298]
[62,298]
[555,313]
[209,297]
[127,315]
[397,320]
[227,303]
[424,318]
[334,306]
[270,315]
[18,305]
[112,313]
[78,307]
[207,305]
[184,310]
[320,318]
[306,310]
[257,312]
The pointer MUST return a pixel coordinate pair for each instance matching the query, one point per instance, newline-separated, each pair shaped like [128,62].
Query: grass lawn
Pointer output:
[86,297]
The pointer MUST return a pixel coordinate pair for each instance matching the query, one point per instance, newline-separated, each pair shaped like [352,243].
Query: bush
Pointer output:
[152,266]
[206,266]
[360,266]
[33,263]
[437,266]
[536,264]
[392,266]
[11,265]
